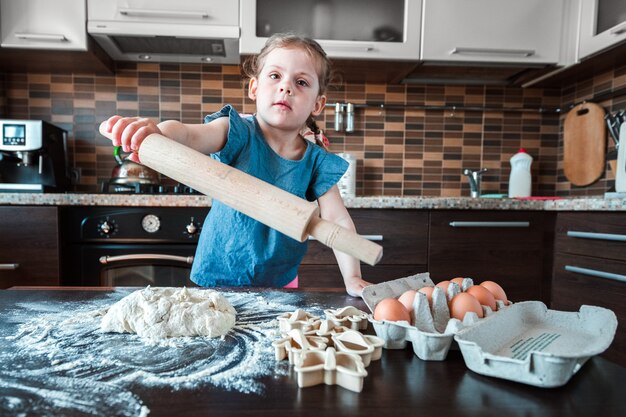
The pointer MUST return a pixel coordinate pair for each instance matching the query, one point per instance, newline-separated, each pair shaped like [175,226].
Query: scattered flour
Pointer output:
[56,360]
[157,313]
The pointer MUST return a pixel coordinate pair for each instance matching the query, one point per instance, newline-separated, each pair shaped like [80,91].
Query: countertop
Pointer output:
[598,203]
[55,361]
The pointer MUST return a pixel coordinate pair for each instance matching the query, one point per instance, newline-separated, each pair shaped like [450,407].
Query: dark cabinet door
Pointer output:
[403,235]
[29,246]
[510,248]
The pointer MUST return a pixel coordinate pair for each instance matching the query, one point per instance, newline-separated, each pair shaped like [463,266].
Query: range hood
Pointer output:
[157,35]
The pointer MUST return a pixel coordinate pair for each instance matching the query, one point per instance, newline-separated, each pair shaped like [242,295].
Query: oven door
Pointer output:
[134,265]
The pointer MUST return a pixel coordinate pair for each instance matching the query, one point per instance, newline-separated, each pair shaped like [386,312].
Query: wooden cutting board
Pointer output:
[584,144]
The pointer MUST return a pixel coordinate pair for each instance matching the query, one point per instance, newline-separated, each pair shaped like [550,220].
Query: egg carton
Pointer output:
[432,332]
[531,344]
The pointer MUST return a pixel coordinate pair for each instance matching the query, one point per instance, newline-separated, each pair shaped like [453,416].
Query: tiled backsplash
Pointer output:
[403,148]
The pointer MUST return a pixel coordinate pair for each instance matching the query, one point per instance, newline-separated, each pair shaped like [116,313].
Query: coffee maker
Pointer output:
[32,157]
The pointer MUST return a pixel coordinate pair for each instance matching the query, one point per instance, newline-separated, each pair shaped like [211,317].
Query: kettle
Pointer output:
[130,172]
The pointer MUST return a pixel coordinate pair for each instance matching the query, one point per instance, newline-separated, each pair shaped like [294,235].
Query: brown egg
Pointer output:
[392,310]
[443,285]
[407,299]
[428,291]
[483,296]
[458,280]
[495,289]
[463,303]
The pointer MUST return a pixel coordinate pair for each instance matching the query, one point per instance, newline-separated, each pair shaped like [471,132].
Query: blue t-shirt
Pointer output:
[236,250]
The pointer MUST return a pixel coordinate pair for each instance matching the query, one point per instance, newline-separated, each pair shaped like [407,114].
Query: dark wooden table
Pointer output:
[399,384]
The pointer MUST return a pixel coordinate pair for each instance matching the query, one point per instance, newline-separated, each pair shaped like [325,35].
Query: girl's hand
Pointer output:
[355,285]
[129,132]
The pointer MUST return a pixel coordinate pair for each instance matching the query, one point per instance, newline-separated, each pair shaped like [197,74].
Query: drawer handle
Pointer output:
[597,236]
[596,273]
[348,48]
[50,37]
[9,267]
[618,30]
[493,51]
[373,238]
[489,224]
[165,13]
[145,256]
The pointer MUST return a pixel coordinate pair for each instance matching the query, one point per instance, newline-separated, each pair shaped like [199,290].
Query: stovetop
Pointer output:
[110,187]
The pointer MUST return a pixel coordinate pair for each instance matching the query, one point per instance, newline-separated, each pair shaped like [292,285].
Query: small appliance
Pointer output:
[32,157]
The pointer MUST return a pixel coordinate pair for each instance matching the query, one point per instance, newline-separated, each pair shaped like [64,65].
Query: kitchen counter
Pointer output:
[598,203]
[55,361]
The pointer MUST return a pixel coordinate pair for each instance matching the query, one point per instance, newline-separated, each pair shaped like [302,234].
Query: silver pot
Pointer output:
[130,172]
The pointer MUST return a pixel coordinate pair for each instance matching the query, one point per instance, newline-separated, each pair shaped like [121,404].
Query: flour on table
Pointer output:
[157,313]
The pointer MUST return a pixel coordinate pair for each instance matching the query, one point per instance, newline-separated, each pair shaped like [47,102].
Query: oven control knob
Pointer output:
[106,227]
[191,228]
[151,223]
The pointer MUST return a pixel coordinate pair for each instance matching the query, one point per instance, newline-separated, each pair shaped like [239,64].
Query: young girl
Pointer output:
[287,81]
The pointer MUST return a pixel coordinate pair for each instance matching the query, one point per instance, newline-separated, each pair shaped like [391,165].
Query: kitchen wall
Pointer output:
[401,150]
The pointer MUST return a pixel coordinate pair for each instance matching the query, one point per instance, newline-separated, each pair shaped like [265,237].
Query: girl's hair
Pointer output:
[253,65]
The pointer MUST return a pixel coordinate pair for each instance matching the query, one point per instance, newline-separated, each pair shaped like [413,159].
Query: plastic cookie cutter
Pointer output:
[349,316]
[369,348]
[296,343]
[331,368]
[298,319]
[326,328]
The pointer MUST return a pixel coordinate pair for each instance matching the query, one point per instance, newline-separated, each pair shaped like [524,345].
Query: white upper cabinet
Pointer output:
[602,25]
[502,31]
[44,24]
[357,29]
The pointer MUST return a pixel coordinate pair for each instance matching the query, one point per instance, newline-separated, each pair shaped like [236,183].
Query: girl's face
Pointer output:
[286,90]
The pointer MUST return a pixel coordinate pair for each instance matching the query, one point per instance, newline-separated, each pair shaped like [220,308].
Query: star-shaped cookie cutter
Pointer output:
[296,343]
[331,368]
[298,319]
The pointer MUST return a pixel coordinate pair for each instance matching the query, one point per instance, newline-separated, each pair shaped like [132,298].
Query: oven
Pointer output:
[129,246]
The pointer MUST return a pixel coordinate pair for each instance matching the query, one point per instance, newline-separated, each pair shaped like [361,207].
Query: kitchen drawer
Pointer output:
[510,248]
[573,288]
[29,246]
[592,234]
[403,235]
[329,276]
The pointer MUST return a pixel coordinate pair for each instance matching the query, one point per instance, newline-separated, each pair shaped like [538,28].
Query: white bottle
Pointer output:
[520,180]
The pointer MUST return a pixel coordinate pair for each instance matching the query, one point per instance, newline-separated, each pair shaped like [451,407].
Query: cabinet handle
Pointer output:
[349,48]
[489,224]
[145,256]
[618,30]
[492,51]
[41,37]
[597,236]
[374,238]
[596,273]
[165,13]
[9,267]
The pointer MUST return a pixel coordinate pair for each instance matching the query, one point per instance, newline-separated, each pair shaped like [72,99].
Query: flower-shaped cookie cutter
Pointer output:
[368,347]
[349,316]
[296,343]
[331,368]
[298,319]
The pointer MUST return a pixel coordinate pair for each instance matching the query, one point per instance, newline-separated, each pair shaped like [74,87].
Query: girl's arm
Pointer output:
[332,209]
[129,132]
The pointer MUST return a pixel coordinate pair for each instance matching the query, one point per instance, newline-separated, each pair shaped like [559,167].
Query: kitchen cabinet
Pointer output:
[42,24]
[602,25]
[590,268]
[510,248]
[403,235]
[353,29]
[29,246]
[492,31]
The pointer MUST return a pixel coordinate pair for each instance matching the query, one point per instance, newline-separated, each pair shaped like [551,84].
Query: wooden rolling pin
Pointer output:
[270,205]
